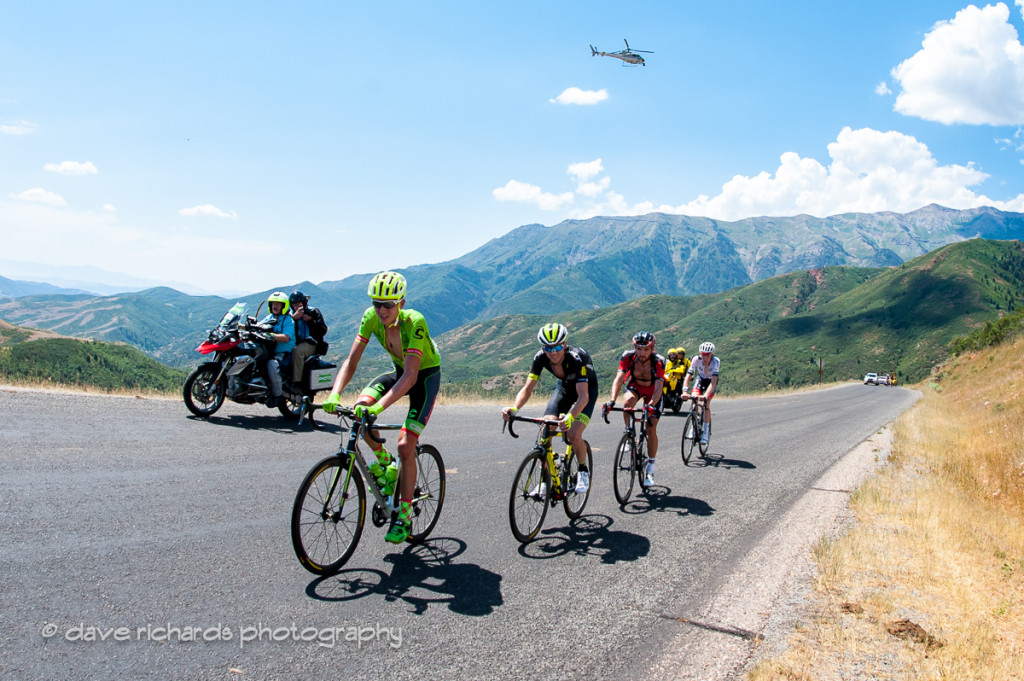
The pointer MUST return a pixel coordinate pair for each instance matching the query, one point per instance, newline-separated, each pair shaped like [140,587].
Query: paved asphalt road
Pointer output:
[139,542]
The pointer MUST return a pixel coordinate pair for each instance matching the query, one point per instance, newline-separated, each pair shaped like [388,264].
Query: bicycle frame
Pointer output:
[545,434]
[355,457]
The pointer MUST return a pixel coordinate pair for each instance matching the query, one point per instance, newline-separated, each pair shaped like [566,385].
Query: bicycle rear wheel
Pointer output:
[328,515]
[623,472]
[528,502]
[572,502]
[700,443]
[428,498]
[691,435]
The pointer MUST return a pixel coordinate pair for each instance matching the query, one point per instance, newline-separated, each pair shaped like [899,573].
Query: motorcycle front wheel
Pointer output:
[202,397]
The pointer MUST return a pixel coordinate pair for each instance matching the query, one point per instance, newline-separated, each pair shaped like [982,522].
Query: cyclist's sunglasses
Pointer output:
[386,304]
[554,348]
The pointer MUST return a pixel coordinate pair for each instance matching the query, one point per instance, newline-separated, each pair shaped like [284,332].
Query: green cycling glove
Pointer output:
[331,403]
[362,410]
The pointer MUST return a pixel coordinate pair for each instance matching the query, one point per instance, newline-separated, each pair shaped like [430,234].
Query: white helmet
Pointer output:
[707,347]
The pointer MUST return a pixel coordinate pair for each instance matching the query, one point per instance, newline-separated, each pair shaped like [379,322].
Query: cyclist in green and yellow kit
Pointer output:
[404,334]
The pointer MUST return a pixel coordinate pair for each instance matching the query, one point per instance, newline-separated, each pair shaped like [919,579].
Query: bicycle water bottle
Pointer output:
[387,481]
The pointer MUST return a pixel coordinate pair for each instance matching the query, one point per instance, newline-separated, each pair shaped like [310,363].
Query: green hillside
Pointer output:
[78,363]
[771,334]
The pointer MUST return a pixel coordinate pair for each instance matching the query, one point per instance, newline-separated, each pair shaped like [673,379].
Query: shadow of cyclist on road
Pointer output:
[589,535]
[420,575]
[658,498]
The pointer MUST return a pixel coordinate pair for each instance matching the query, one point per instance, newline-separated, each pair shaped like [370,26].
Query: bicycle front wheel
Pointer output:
[428,498]
[528,502]
[573,502]
[691,434]
[328,515]
[623,473]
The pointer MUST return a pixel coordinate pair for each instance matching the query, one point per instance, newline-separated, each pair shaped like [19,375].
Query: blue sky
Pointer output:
[248,145]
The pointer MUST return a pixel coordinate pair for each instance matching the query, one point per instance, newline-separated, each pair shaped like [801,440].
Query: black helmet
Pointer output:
[297,296]
[643,339]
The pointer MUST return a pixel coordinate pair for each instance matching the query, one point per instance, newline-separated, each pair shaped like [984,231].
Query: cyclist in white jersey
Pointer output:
[705,367]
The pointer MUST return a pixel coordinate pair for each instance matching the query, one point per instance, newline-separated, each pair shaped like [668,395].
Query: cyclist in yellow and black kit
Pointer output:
[575,395]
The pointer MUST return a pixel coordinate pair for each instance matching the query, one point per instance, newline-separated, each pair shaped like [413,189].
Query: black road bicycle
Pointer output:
[693,428]
[543,479]
[330,507]
[631,455]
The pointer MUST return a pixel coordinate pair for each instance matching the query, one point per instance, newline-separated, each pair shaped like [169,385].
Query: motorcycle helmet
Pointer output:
[643,339]
[707,347]
[298,296]
[552,334]
[279,297]
[387,286]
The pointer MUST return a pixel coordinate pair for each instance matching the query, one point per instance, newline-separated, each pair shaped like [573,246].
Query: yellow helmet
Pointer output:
[279,297]
[387,286]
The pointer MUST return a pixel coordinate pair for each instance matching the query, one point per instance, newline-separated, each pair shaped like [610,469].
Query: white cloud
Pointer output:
[869,171]
[40,195]
[206,210]
[585,171]
[969,70]
[882,89]
[574,95]
[528,193]
[17,128]
[72,168]
[107,208]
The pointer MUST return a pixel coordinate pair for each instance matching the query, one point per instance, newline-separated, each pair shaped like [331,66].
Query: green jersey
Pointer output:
[416,338]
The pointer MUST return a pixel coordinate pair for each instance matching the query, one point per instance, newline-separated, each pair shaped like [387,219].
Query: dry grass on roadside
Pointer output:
[929,584]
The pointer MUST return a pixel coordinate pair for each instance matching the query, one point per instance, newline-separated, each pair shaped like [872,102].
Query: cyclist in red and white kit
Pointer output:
[642,371]
[705,367]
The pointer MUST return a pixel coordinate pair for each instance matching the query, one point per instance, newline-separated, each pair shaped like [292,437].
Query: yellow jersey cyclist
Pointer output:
[575,395]
[705,368]
[675,369]
[404,334]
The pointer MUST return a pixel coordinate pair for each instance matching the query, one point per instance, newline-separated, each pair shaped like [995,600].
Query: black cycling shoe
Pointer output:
[273,401]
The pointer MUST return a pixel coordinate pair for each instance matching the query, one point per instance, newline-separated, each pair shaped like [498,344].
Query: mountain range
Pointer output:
[574,265]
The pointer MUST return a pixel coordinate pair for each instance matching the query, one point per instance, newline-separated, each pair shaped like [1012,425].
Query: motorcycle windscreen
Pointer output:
[232,316]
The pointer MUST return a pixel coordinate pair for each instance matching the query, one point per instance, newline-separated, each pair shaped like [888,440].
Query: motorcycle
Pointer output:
[237,343]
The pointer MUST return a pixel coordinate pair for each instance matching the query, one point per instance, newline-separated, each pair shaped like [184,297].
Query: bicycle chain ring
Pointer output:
[377,515]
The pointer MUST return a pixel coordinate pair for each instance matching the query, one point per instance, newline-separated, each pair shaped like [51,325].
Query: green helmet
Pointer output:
[552,334]
[387,286]
[279,297]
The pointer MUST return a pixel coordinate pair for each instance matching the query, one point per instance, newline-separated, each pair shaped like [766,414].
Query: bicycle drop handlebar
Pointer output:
[512,418]
[627,410]
[365,423]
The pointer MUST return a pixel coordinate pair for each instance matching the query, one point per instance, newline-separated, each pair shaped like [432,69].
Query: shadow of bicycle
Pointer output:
[714,460]
[421,576]
[588,535]
[658,498]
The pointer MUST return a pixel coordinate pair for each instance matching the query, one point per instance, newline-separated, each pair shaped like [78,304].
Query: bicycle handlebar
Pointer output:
[626,410]
[366,423]
[512,418]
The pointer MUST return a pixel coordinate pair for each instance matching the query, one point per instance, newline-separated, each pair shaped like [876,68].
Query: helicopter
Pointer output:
[628,56]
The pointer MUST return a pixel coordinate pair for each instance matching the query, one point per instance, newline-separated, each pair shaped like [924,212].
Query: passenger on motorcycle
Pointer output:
[675,369]
[310,329]
[281,328]
[404,334]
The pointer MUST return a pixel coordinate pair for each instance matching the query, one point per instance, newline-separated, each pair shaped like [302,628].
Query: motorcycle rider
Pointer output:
[281,328]
[310,329]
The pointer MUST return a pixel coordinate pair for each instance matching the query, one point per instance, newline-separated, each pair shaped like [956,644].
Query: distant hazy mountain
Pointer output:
[87,278]
[15,289]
